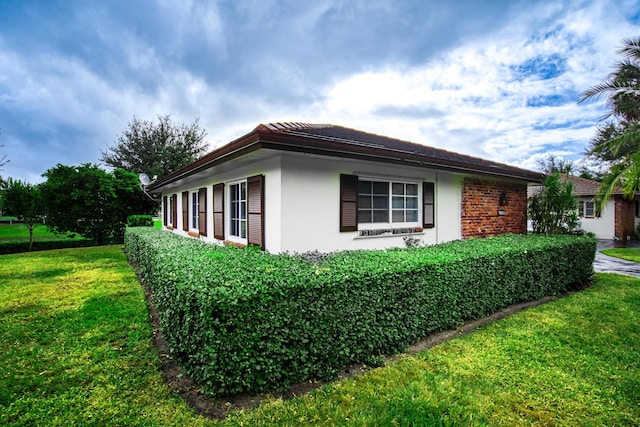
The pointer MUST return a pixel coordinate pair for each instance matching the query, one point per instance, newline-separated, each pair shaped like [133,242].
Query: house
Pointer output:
[618,219]
[294,187]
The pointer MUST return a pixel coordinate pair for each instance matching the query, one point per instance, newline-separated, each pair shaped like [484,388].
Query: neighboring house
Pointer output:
[619,217]
[292,187]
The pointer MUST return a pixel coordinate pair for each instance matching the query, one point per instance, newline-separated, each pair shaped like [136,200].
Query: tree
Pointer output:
[552,164]
[156,149]
[92,202]
[552,208]
[24,201]
[617,142]
[3,161]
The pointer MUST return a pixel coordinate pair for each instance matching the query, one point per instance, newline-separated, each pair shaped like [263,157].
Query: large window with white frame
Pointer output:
[195,210]
[387,202]
[238,209]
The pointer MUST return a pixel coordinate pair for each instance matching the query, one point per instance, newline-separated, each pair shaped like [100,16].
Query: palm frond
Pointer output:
[631,48]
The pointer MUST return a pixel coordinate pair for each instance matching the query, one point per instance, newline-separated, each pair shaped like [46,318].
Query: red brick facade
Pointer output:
[490,208]
[625,214]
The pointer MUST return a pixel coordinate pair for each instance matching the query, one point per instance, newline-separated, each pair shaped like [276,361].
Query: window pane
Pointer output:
[412,189]
[364,216]
[243,229]
[364,202]
[380,188]
[234,193]
[397,188]
[243,191]
[412,203]
[380,202]
[243,210]
[412,216]
[364,187]
[397,202]
[380,216]
[398,216]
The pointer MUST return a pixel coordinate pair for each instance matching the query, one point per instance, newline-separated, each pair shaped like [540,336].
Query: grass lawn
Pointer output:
[630,254]
[76,348]
[18,232]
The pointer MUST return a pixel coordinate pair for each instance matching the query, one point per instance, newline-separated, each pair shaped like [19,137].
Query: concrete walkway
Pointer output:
[607,264]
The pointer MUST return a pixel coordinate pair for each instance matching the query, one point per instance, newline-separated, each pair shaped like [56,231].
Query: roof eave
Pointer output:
[266,137]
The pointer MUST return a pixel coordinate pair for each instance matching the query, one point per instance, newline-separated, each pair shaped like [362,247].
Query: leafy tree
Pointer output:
[156,148]
[552,164]
[552,208]
[24,201]
[92,202]
[617,142]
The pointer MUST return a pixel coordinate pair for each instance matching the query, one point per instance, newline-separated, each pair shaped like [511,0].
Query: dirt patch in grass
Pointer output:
[219,408]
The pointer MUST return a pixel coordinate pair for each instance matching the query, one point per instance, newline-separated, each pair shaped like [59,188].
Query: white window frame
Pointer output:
[583,210]
[194,218]
[390,223]
[172,209]
[230,217]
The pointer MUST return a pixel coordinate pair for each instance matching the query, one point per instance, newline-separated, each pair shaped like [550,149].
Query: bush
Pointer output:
[140,221]
[18,247]
[241,320]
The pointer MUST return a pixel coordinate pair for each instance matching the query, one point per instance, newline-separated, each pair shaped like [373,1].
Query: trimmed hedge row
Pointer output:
[240,320]
[18,247]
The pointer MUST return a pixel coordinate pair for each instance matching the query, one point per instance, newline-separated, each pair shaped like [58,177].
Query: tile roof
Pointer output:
[586,187]
[340,141]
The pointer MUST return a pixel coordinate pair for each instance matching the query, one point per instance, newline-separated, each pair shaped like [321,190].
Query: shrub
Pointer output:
[241,320]
[17,247]
[140,221]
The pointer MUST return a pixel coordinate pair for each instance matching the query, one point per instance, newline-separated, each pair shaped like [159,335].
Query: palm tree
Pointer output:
[618,141]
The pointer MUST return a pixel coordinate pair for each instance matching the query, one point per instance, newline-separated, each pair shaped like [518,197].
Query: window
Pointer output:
[238,205]
[195,210]
[384,202]
[172,211]
[587,209]
[373,202]
[404,202]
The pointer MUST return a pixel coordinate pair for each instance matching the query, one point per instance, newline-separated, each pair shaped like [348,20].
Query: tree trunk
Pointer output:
[31,237]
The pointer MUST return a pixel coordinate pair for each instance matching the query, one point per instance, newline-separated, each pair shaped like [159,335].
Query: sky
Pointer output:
[493,79]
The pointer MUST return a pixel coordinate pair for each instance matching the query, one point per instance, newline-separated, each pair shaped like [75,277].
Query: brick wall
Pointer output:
[625,213]
[482,214]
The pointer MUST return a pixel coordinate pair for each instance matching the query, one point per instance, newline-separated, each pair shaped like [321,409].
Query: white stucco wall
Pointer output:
[604,226]
[311,203]
[302,200]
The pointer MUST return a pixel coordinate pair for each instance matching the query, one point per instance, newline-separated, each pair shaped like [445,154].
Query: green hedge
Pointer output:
[140,221]
[240,320]
[18,247]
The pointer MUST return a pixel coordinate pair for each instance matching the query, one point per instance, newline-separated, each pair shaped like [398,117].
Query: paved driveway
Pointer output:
[608,264]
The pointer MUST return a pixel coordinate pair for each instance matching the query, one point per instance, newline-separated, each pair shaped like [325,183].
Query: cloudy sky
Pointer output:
[494,79]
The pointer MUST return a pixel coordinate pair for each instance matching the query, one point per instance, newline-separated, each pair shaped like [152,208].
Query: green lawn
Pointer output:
[630,254]
[76,349]
[18,232]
